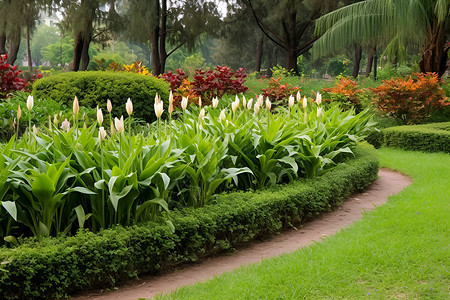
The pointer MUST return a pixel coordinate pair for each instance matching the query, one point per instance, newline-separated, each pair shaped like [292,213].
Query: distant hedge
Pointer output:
[94,87]
[432,137]
[58,266]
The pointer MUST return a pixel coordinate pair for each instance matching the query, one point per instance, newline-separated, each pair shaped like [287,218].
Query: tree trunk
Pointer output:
[77,49]
[162,37]
[29,60]
[358,53]
[154,38]
[85,53]
[291,38]
[291,60]
[370,55]
[259,53]
[434,52]
[3,43]
[14,44]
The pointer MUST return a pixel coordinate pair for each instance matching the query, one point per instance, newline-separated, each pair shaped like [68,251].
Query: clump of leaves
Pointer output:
[346,92]
[10,80]
[412,99]
[206,83]
[174,79]
[277,91]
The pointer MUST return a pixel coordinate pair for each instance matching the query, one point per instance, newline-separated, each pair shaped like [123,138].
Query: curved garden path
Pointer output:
[388,183]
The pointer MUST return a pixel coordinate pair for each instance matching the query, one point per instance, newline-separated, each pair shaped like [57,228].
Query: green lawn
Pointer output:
[401,250]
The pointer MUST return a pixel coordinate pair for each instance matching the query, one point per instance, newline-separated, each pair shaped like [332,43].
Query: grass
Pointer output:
[400,250]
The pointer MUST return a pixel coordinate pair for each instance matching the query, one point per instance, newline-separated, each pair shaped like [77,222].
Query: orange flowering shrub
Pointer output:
[186,89]
[346,92]
[277,91]
[410,99]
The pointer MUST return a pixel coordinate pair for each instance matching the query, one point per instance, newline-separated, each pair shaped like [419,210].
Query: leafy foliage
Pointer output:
[433,137]
[277,91]
[411,99]
[56,181]
[58,266]
[10,80]
[345,92]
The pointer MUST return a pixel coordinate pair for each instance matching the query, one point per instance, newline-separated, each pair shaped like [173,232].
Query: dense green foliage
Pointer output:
[94,88]
[399,250]
[433,137]
[55,181]
[57,266]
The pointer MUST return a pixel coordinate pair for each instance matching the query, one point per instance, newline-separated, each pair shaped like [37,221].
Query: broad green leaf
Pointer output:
[11,208]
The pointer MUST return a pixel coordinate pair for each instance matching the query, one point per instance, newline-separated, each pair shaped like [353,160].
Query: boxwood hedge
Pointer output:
[433,137]
[56,267]
[95,87]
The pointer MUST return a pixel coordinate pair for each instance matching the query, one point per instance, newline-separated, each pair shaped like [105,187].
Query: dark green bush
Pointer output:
[56,267]
[433,137]
[94,88]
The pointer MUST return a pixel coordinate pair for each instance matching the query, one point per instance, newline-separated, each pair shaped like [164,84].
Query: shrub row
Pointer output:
[94,88]
[58,266]
[433,137]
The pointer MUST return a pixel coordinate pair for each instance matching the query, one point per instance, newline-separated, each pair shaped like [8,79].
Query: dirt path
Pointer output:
[389,183]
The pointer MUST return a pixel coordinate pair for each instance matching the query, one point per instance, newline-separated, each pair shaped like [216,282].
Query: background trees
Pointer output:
[420,24]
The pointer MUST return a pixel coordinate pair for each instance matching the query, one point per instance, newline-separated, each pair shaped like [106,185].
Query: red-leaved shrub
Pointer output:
[277,91]
[10,80]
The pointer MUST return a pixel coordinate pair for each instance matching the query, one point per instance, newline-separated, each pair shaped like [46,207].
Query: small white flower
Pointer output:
[65,125]
[305,102]
[201,115]
[222,115]
[99,116]
[184,103]
[129,107]
[257,107]
[215,102]
[299,98]
[109,105]
[291,101]
[268,103]
[30,102]
[250,104]
[101,133]
[159,108]
[318,98]
[76,106]
[119,124]
[319,112]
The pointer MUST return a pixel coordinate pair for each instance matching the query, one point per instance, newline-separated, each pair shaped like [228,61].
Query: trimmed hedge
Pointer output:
[94,88]
[58,266]
[433,137]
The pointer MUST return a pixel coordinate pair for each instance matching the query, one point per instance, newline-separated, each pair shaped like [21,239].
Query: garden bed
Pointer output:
[56,267]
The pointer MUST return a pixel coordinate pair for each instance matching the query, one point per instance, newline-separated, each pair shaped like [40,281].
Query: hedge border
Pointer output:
[432,137]
[56,267]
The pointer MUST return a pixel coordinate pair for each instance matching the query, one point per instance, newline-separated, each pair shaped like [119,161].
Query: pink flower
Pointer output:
[65,125]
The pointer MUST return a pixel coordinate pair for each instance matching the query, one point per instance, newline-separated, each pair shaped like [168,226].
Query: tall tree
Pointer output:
[400,23]
[289,24]
[88,20]
[163,22]
[15,16]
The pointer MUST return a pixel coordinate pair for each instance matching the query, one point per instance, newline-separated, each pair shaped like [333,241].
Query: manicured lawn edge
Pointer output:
[433,137]
[56,267]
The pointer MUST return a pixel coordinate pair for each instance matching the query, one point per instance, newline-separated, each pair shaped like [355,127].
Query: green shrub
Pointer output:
[58,266]
[94,88]
[433,137]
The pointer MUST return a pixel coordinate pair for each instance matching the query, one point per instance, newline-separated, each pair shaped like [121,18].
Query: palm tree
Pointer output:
[398,23]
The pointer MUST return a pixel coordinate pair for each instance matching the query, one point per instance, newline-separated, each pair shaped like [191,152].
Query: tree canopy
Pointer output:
[398,23]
